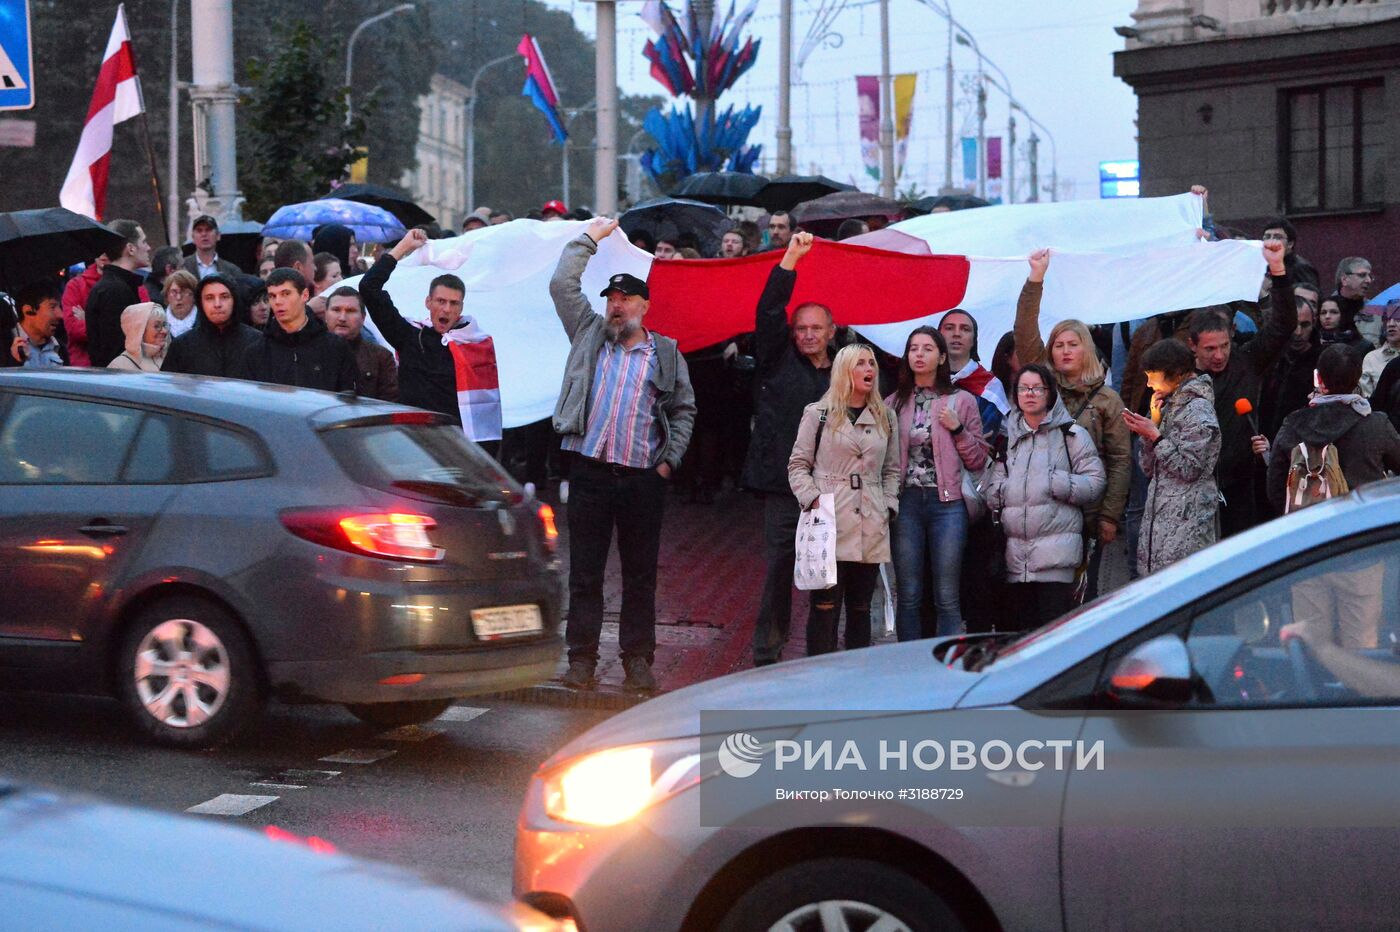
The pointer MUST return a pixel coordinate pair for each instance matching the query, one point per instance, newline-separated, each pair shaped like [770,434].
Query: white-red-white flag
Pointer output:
[117,98]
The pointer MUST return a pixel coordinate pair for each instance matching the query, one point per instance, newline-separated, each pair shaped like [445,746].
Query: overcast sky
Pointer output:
[1057,56]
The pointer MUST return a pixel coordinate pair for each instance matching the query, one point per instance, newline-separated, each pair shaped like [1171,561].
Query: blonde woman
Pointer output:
[848,445]
[147,338]
[1081,381]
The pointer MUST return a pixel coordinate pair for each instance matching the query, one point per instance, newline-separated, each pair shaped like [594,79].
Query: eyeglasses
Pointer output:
[1033,390]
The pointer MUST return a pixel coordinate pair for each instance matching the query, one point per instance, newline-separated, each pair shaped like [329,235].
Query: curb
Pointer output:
[603,697]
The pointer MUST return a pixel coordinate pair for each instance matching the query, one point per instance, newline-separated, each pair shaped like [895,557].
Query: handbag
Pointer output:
[814,566]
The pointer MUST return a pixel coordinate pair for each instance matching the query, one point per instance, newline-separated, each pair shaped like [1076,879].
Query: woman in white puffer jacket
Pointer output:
[1051,473]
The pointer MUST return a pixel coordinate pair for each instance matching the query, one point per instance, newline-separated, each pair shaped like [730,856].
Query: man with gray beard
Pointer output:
[625,411]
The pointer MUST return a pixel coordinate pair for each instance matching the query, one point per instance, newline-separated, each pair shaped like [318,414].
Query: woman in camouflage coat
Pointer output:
[1181,444]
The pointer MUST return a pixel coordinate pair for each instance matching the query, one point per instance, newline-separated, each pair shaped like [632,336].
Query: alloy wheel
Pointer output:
[839,916]
[182,673]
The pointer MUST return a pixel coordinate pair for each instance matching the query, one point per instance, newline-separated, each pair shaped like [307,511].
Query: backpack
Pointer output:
[1314,475]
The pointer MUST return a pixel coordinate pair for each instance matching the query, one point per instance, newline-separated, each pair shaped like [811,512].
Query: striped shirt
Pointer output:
[622,425]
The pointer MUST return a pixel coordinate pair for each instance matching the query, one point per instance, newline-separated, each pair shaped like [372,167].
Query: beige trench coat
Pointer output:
[863,505]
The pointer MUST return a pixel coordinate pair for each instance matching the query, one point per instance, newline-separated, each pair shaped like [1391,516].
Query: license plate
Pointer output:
[506,621]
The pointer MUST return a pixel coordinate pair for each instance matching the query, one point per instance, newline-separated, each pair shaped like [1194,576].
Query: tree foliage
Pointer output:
[297,141]
[517,167]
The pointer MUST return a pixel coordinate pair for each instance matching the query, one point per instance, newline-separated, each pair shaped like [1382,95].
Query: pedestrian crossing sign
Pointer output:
[16,56]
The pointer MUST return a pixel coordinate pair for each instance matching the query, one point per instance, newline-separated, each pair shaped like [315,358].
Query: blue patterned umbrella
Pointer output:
[299,221]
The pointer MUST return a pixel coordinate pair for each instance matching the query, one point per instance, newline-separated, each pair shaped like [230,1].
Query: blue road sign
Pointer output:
[16,56]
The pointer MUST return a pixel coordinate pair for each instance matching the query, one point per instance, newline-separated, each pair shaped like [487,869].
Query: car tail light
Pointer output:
[551,531]
[393,535]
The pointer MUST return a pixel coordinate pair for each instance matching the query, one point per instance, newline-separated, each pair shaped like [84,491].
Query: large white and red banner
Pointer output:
[116,98]
[1111,260]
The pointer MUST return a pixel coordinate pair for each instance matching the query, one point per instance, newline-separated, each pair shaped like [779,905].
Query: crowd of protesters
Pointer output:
[990,494]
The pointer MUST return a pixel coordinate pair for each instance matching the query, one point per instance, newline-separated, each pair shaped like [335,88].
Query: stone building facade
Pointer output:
[1279,107]
[439,183]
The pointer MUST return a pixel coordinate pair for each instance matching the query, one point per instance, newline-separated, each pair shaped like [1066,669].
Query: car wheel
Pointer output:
[186,675]
[840,893]
[394,714]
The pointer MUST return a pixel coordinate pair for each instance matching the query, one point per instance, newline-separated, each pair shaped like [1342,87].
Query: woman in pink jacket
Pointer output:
[940,435]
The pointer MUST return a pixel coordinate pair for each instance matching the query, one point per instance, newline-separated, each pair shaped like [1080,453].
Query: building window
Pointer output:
[1333,147]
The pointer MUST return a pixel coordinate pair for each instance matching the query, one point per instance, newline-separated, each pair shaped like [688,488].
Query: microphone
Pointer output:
[1244,409]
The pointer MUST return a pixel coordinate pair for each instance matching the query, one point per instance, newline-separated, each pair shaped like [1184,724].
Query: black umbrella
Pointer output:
[37,244]
[395,202]
[724,188]
[927,205]
[672,217]
[787,191]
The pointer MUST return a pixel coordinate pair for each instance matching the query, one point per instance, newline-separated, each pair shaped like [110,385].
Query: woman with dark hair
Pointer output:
[339,241]
[940,435]
[1050,474]
[1179,451]
[1005,362]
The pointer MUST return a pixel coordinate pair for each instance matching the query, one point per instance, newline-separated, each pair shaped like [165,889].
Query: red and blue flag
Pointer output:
[539,86]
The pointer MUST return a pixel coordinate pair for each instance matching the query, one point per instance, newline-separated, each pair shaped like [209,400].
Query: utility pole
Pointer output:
[215,97]
[1034,158]
[948,108]
[471,127]
[172,193]
[981,132]
[784,162]
[605,161]
[886,106]
[1011,157]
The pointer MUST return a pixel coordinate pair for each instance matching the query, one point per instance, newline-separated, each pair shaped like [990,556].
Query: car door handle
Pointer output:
[100,528]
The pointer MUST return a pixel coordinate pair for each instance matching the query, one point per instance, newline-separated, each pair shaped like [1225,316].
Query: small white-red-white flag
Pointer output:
[116,99]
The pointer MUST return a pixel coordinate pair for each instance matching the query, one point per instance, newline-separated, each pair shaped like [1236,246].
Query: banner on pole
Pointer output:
[904,85]
[994,169]
[969,162]
[868,101]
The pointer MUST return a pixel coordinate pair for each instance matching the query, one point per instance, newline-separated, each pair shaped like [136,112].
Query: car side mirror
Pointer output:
[1157,672]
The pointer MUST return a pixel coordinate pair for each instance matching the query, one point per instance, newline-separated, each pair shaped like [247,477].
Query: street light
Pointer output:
[471,127]
[350,47]
[965,38]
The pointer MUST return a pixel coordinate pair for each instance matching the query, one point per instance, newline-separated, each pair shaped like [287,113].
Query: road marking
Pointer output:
[231,804]
[461,713]
[413,733]
[359,756]
[278,786]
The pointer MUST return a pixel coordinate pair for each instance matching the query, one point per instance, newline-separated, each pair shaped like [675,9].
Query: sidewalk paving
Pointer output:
[709,579]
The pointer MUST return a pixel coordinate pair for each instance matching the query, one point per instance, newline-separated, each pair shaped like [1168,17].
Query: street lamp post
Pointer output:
[350,47]
[965,38]
[1054,157]
[471,127]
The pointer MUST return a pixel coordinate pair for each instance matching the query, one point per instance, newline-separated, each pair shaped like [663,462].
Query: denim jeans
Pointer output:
[1137,503]
[934,532]
[855,586]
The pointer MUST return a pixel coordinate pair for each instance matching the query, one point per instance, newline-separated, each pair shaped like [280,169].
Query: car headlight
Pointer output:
[609,787]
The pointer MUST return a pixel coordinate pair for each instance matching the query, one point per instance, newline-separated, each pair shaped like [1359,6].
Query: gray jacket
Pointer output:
[1182,499]
[675,402]
[1049,476]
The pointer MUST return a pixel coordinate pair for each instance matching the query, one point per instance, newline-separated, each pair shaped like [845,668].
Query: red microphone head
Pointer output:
[1243,407]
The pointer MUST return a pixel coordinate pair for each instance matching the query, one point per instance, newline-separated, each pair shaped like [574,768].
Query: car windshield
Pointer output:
[428,461]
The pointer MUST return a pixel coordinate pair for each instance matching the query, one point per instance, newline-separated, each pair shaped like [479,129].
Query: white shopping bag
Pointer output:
[815,566]
[887,590]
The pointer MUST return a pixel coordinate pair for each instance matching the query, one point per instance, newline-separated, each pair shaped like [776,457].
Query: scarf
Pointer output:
[478,385]
[977,380]
[1358,404]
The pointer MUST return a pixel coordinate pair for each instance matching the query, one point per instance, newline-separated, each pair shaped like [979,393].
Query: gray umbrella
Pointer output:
[846,204]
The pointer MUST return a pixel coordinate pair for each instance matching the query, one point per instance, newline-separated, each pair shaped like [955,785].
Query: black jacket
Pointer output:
[114,292]
[1385,397]
[427,373]
[208,350]
[313,357]
[1287,386]
[1244,376]
[1366,445]
[786,383]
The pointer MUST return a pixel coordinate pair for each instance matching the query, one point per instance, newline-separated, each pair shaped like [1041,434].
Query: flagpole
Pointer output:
[146,138]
